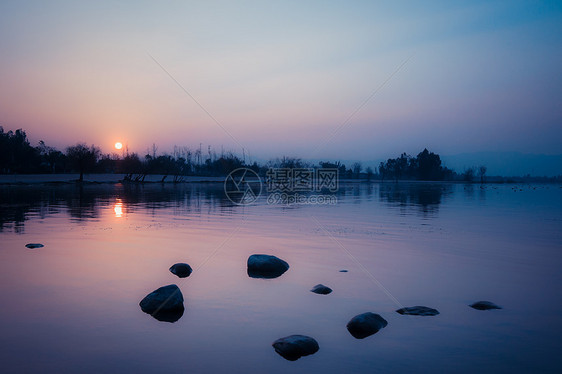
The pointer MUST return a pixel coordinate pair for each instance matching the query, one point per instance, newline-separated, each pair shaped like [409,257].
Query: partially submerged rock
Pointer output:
[169,315]
[181,269]
[321,289]
[266,266]
[366,324]
[418,311]
[343,271]
[34,245]
[484,305]
[164,304]
[294,347]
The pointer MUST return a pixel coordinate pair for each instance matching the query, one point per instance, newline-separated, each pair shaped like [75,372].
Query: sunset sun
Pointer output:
[118,145]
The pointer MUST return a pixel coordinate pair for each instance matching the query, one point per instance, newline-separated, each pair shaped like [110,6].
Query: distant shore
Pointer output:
[96,178]
[23,179]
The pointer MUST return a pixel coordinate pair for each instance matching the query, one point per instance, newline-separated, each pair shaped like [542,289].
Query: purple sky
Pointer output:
[282,77]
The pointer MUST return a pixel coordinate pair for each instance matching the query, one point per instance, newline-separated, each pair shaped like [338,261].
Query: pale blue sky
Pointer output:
[282,76]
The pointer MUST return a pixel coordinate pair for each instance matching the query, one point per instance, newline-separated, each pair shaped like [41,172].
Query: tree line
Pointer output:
[18,156]
[426,166]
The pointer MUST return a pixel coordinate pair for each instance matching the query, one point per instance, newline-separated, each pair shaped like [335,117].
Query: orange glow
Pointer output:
[118,145]
[118,209]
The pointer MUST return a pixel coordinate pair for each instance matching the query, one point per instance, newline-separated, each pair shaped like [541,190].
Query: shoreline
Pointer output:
[68,179]
[28,179]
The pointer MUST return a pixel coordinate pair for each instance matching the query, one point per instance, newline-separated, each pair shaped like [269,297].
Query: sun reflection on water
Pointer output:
[118,209]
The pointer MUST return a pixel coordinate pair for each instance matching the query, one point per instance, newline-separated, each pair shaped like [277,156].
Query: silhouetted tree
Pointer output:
[395,167]
[369,173]
[108,163]
[468,175]
[16,155]
[392,168]
[383,171]
[401,166]
[448,174]
[429,166]
[425,166]
[482,172]
[131,164]
[287,162]
[356,167]
[334,165]
[226,164]
[83,158]
[53,159]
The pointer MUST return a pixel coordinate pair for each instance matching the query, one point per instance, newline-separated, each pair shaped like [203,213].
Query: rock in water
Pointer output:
[321,289]
[266,266]
[169,315]
[181,269]
[484,305]
[418,311]
[34,245]
[295,346]
[164,304]
[365,324]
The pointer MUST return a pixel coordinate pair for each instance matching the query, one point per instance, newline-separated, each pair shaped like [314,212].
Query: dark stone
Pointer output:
[321,289]
[418,311]
[343,271]
[295,346]
[365,324]
[164,304]
[181,270]
[169,315]
[34,245]
[484,305]
[265,266]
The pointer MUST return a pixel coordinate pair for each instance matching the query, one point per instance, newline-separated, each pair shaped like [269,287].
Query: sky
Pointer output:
[358,80]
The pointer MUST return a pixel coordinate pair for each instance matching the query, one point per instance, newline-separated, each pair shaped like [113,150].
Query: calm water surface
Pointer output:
[72,306]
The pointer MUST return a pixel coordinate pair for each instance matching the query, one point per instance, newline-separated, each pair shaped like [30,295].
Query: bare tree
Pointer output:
[356,167]
[482,172]
[468,175]
[83,158]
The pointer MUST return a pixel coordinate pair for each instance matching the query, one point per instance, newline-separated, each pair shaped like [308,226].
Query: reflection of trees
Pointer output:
[81,203]
[425,196]
[84,201]
[18,203]
[12,215]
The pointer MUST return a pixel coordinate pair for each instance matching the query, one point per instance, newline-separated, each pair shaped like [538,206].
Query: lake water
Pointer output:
[73,305]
